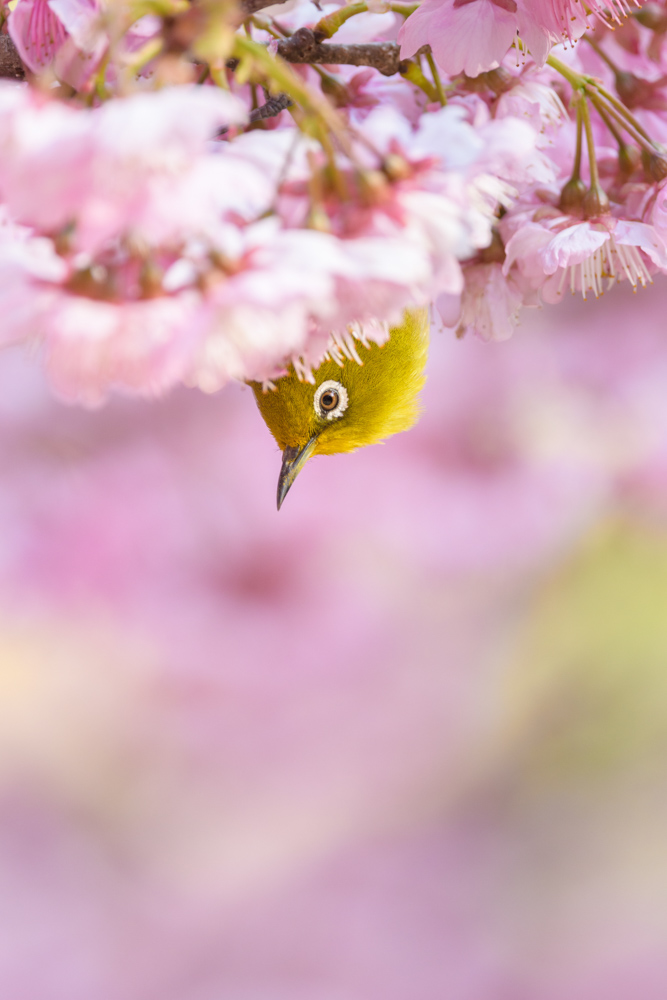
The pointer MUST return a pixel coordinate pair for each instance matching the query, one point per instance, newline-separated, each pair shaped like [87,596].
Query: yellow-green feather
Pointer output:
[383,394]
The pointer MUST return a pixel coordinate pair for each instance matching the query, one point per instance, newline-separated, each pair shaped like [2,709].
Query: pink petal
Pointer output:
[524,247]
[36,32]
[81,20]
[572,246]
[467,39]
[638,234]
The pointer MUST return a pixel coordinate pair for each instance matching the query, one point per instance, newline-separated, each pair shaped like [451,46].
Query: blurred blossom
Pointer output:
[347,751]
[164,266]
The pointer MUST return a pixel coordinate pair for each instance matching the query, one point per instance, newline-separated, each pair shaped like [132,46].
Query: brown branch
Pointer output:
[303,47]
[10,61]
[252,6]
[273,107]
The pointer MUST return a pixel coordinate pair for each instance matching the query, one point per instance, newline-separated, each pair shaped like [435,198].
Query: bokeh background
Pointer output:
[405,740]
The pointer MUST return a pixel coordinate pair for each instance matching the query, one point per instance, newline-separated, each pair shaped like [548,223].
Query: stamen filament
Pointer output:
[610,261]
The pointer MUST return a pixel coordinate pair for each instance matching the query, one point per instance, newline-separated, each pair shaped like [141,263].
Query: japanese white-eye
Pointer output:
[371,395]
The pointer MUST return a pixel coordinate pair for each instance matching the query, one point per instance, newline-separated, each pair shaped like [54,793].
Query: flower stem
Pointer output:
[573,193]
[576,80]
[414,74]
[436,78]
[639,137]
[595,202]
[602,99]
[576,169]
[623,111]
[327,26]
[609,123]
[590,142]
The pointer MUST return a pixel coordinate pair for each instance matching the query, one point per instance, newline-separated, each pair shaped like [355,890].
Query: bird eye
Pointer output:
[330,400]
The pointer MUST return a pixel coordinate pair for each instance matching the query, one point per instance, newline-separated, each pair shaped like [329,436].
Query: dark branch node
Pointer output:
[10,62]
[303,47]
[252,6]
[273,107]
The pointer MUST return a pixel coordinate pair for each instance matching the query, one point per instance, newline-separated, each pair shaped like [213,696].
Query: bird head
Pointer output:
[362,401]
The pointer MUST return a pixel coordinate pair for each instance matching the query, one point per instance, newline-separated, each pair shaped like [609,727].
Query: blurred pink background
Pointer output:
[405,740]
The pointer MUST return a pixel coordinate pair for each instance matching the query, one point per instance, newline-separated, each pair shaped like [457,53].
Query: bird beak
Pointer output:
[294,460]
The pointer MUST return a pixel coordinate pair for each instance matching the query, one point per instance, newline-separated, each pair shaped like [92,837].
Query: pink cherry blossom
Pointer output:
[587,256]
[41,28]
[141,213]
[489,304]
[153,221]
[37,33]
[125,165]
[449,26]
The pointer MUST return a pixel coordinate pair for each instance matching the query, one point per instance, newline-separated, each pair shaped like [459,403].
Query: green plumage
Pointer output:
[382,395]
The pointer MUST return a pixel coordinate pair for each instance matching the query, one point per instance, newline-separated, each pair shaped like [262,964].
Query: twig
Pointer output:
[252,6]
[273,107]
[302,47]
[10,61]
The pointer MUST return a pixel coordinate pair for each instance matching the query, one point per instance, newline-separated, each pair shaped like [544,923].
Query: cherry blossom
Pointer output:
[495,25]
[150,204]
[68,30]
[589,256]
[153,228]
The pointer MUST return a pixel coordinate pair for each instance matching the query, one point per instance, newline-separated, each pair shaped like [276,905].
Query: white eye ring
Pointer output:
[333,389]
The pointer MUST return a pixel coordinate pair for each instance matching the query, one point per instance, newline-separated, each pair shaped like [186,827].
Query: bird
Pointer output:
[360,394]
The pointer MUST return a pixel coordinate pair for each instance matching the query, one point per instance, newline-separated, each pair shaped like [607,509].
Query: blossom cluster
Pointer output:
[180,204]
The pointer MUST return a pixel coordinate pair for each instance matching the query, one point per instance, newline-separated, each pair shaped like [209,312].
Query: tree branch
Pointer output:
[252,6]
[273,107]
[303,47]
[10,61]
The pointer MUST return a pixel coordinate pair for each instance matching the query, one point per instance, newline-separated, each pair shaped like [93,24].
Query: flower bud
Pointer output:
[572,196]
[629,160]
[63,240]
[150,279]
[495,252]
[94,282]
[655,165]
[318,220]
[595,202]
[396,167]
[500,80]
[373,186]
[222,263]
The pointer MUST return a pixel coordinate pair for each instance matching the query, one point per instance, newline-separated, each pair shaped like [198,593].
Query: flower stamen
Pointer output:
[608,263]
